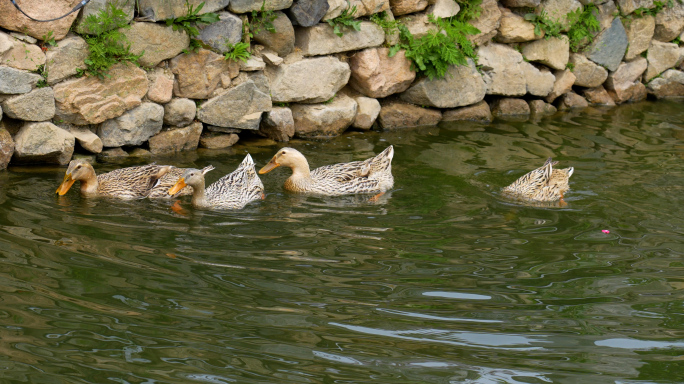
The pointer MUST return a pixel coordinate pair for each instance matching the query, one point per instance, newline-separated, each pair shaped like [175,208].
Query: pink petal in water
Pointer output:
[605,231]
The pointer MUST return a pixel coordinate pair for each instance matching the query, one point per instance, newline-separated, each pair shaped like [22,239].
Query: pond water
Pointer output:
[441,281]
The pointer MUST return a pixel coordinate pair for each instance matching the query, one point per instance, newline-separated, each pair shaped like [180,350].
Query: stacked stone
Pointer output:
[305,81]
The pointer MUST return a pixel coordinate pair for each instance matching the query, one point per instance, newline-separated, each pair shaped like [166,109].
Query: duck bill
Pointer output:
[180,184]
[269,167]
[66,184]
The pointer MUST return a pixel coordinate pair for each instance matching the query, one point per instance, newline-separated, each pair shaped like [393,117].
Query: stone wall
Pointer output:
[305,81]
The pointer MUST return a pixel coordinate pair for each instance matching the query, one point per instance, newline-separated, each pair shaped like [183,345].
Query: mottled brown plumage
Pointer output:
[372,175]
[544,184]
[232,191]
[126,183]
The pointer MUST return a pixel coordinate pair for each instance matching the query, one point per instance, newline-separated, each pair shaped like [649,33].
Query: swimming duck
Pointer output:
[126,183]
[372,175]
[544,184]
[232,191]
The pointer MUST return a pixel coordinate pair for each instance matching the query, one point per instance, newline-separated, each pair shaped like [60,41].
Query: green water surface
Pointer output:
[441,281]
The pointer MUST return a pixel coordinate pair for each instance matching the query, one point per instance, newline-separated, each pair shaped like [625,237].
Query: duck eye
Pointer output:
[283,152]
[78,166]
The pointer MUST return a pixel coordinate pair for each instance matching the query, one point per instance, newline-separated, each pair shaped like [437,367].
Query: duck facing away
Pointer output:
[126,183]
[372,175]
[232,191]
[544,184]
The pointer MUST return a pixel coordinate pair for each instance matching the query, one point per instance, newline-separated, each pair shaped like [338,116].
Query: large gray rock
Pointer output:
[502,70]
[670,84]
[559,10]
[321,40]
[539,108]
[66,58]
[246,6]
[211,140]
[554,52]
[37,105]
[443,8]
[367,112]
[521,3]
[198,73]
[43,143]
[629,6]
[461,85]
[377,75]
[487,22]
[179,112]
[94,7]
[639,34]
[324,120]
[307,13]
[404,7]
[418,24]
[395,114]
[282,40]
[515,29]
[156,42]
[476,112]
[661,56]
[90,100]
[571,100]
[539,81]
[133,127]
[155,10]
[609,47]
[588,73]
[277,124]
[176,140]
[14,81]
[6,146]
[239,107]
[669,22]
[311,80]
[228,30]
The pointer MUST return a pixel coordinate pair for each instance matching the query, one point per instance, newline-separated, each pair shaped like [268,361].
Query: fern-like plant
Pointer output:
[542,22]
[107,45]
[188,23]
[657,7]
[239,51]
[433,53]
[583,26]
[470,9]
[388,26]
[345,20]
[262,20]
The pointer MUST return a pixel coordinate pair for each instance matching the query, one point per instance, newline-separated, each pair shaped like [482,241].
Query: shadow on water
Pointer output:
[439,281]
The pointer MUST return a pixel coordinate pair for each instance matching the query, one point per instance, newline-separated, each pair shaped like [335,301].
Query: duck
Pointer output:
[370,176]
[544,184]
[232,191]
[125,183]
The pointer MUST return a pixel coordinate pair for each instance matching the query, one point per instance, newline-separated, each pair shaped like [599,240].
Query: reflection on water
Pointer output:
[440,281]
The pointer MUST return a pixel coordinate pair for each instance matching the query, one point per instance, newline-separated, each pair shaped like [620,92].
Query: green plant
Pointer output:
[239,51]
[570,66]
[191,19]
[345,20]
[543,23]
[194,46]
[42,71]
[48,41]
[106,43]
[262,20]
[677,40]
[390,27]
[583,26]
[657,7]
[470,9]
[433,53]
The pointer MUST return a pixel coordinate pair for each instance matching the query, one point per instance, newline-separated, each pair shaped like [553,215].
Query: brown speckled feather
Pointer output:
[542,184]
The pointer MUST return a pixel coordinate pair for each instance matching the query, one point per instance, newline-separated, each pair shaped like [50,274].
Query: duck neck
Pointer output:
[89,185]
[301,175]
[199,197]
